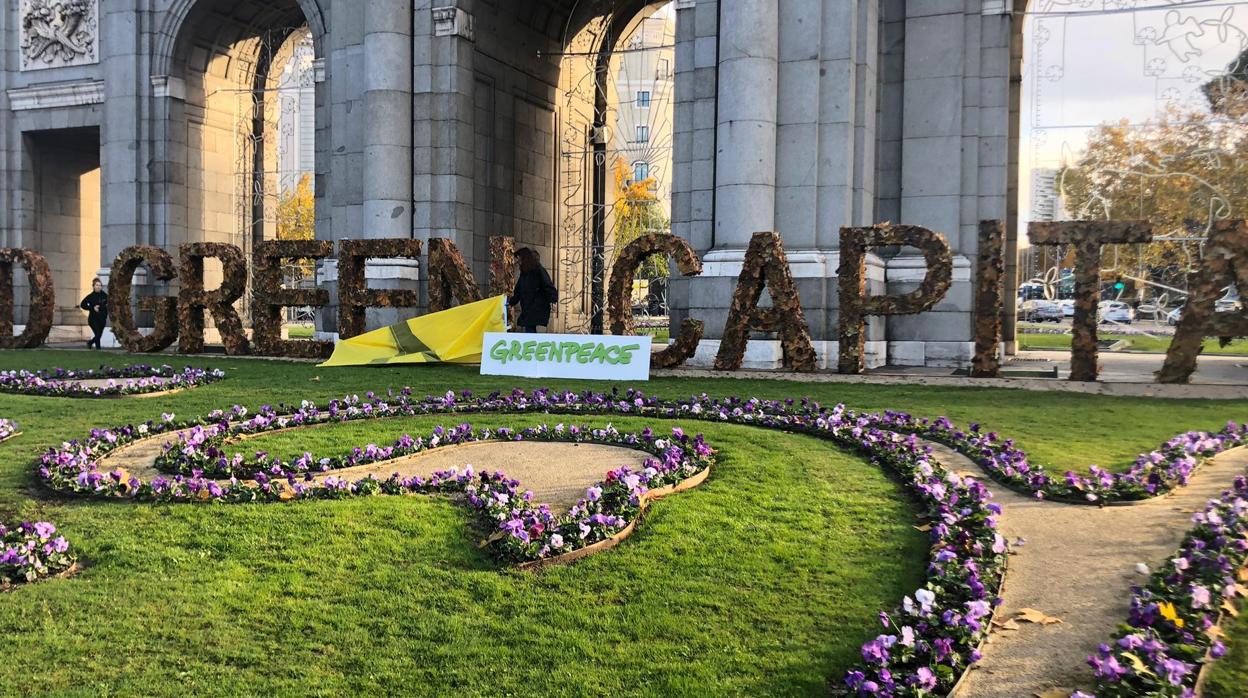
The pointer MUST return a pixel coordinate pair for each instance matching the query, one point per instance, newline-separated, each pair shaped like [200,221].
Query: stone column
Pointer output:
[387,171]
[745,182]
[387,118]
[123,152]
[745,51]
[939,172]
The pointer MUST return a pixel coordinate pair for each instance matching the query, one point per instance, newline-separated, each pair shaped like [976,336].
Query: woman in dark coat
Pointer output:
[96,305]
[535,292]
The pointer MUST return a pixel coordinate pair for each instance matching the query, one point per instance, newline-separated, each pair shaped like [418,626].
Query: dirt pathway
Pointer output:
[1078,565]
[557,473]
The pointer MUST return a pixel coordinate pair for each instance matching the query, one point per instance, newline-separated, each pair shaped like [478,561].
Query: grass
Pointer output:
[1137,343]
[763,581]
[1230,675]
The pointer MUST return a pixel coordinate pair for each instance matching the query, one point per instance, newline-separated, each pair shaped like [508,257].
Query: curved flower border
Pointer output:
[519,530]
[936,630]
[1153,473]
[136,379]
[1172,627]
[30,552]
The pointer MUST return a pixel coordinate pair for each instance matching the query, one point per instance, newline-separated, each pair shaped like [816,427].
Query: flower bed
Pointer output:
[934,634]
[137,379]
[8,429]
[30,552]
[1153,473]
[1172,627]
[520,530]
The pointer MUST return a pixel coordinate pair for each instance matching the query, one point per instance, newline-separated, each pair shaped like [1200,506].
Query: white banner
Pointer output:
[592,357]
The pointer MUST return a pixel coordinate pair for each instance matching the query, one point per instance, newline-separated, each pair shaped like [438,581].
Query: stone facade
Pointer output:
[466,119]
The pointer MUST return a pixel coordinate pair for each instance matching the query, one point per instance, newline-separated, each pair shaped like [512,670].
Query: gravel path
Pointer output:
[1078,565]
[557,473]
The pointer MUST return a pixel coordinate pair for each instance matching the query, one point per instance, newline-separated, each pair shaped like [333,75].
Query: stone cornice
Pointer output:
[63,94]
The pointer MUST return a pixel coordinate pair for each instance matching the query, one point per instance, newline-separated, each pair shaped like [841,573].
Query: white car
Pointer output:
[1222,306]
[1115,311]
[1068,307]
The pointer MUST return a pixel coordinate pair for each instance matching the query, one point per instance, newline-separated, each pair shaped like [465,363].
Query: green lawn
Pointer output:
[763,581]
[1151,345]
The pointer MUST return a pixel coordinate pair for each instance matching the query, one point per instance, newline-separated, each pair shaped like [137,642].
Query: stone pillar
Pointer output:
[939,175]
[745,182]
[120,131]
[387,166]
[387,118]
[794,152]
[123,150]
[743,173]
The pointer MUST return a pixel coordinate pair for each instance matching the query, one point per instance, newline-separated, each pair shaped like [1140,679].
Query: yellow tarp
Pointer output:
[452,336]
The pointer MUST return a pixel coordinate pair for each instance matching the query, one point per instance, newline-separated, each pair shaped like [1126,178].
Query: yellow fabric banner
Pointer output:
[452,336]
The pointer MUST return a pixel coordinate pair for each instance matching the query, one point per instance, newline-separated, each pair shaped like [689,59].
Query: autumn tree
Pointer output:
[638,212]
[1182,172]
[296,220]
[296,212]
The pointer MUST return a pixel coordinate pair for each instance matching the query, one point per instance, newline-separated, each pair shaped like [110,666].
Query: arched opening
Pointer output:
[1126,113]
[242,126]
[617,92]
[571,100]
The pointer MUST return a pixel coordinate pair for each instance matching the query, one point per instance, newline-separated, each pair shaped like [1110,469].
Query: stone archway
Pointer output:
[221,111]
[531,171]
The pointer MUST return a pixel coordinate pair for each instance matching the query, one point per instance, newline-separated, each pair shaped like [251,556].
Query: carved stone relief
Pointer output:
[58,33]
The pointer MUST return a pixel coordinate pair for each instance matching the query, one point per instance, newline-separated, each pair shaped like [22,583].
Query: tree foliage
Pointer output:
[296,212]
[296,220]
[1182,172]
[638,212]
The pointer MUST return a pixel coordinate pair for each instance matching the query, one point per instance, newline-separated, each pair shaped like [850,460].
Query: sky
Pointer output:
[1088,62]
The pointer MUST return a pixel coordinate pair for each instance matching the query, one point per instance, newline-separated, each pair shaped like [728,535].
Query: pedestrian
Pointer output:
[96,305]
[535,293]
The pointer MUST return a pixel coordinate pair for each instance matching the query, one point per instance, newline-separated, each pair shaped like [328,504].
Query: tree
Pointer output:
[296,212]
[296,220]
[1228,93]
[1182,172]
[638,212]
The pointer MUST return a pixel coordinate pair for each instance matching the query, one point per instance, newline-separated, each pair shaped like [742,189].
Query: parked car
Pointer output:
[1115,311]
[1040,311]
[1068,307]
[1152,311]
[1224,305]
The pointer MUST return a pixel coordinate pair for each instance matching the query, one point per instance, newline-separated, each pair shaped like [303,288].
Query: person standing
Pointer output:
[96,305]
[535,292]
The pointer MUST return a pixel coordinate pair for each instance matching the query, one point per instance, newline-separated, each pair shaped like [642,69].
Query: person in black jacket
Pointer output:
[535,292]
[96,305]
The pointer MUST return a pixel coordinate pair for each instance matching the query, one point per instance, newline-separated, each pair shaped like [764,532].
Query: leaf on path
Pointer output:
[1215,632]
[1230,608]
[924,528]
[966,473]
[1031,615]
[1010,624]
[1243,575]
[1054,693]
[1138,664]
